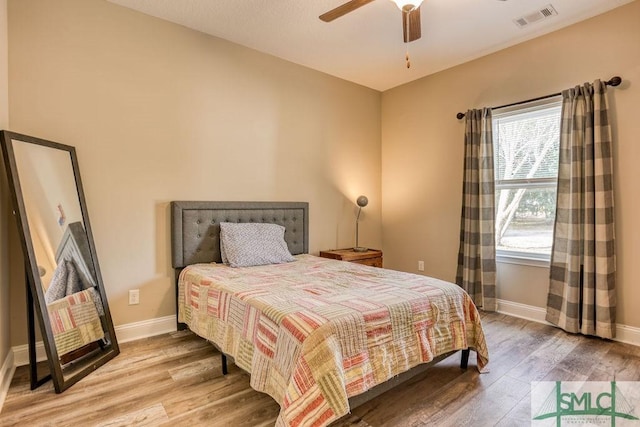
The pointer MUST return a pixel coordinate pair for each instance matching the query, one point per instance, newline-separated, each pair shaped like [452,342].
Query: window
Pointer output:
[526,146]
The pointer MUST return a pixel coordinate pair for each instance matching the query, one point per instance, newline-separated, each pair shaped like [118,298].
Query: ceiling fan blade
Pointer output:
[343,10]
[413,20]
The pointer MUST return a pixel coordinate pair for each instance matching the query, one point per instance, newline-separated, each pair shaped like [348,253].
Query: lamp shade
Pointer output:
[407,4]
[362,201]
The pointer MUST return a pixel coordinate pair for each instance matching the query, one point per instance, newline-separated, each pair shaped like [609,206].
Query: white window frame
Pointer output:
[520,257]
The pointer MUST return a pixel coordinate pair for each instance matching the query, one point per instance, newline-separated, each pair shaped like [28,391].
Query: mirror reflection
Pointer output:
[67,286]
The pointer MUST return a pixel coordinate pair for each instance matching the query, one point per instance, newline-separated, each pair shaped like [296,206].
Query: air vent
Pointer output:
[530,18]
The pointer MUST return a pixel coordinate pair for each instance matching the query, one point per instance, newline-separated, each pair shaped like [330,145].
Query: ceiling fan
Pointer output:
[410,15]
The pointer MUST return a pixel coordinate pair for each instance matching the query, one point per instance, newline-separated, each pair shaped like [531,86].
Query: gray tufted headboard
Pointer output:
[195,226]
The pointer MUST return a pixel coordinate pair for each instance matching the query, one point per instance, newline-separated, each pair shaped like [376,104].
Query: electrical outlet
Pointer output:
[134,296]
[420,265]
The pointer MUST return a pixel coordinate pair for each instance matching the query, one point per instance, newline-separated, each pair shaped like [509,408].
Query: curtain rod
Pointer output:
[614,81]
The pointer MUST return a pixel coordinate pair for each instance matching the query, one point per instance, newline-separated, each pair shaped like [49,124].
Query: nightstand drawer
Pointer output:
[373,262]
[372,257]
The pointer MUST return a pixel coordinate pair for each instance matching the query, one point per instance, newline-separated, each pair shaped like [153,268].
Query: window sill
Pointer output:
[519,259]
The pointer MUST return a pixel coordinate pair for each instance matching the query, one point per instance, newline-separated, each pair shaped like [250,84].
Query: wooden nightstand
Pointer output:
[372,257]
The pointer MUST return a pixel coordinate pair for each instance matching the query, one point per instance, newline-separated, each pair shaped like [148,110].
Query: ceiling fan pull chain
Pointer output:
[406,16]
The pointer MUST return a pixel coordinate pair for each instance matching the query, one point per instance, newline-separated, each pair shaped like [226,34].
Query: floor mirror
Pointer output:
[65,292]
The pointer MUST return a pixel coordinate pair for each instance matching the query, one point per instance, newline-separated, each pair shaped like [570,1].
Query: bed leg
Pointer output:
[223,360]
[464,359]
[179,326]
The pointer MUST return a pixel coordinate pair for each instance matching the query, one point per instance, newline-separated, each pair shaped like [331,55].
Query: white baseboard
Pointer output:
[6,374]
[523,311]
[628,334]
[624,333]
[21,354]
[124,333]
[146,328]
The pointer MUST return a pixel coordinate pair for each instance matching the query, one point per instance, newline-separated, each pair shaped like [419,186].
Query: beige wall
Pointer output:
[158,112]
[422,147]
[4,194]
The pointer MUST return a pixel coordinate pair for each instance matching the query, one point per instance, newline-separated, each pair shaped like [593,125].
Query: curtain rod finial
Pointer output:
[615,81]
[460,116]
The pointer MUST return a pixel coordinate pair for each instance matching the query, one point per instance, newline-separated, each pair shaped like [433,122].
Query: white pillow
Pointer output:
[248,244]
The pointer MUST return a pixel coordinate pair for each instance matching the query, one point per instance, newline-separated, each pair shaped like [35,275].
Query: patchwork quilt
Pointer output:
[316,331]
[75,321]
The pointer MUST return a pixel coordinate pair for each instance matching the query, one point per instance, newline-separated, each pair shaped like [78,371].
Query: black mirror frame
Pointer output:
[61,380]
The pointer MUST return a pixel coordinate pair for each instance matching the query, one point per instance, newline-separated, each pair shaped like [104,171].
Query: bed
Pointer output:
[318,335]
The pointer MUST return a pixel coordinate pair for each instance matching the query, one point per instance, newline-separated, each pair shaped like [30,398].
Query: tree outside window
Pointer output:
[526,148]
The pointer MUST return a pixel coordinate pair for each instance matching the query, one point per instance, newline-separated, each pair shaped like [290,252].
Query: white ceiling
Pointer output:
[365,46]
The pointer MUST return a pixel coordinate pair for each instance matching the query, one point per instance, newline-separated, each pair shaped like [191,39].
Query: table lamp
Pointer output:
[362,201]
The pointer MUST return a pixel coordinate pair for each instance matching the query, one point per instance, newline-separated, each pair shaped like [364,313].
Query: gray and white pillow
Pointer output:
[249,244]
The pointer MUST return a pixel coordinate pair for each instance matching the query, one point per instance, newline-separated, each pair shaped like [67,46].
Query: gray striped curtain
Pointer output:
[476,271]
[582,294]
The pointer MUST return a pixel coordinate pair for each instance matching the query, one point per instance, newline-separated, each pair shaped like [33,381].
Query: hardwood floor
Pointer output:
[175,379]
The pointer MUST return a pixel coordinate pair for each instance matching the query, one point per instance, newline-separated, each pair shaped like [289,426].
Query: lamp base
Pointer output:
[360,249]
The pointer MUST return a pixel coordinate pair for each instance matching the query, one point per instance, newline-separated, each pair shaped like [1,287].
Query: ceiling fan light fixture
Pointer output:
[407,5]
